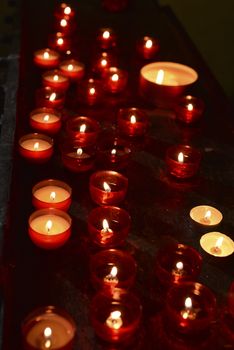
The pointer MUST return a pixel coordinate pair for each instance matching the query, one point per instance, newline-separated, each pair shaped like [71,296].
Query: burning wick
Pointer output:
[49,225]
[216,250]
[47,335]
[207,216]
[46,118]
[106,187]
[106,232]
[160,76]
[181,157]
[104,62]
[190,107]
[60,41]
[52,96]
[133,119]
[149,44]
[79,151]
[179,268]
[63,23]
[70,67]
[36,146]
[83,128]
[52,196]
[106,34]
[115,77]
[92,91]
[188,313]
[56,77]
[111,277]
[67,10]
[114,321]
[46,55]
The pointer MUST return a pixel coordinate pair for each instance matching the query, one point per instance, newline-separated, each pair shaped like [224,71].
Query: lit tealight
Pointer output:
[111,278]
[190,107]
[115,77]
[149,44]
[106,34]
[181,157]
[52,196]
[217,244]
[46,55]
[49,225]
[206,215]
[83,128]
[114,321]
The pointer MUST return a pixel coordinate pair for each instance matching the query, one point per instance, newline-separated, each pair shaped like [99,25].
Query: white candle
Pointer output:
[49,224]
[212,245]
[51,194]
[206,215]
[43,117]
[35,145]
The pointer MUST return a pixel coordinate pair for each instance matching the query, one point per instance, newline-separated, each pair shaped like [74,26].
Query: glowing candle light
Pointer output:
[111,278]
[113,151]
[217,244]
[188,313]
[47,334]
[106,34]
[206,215]
[70,67]
[46,118]
[160,76]
[52,196]
[36,146]
[60,41]
[217,248]
[49,225]
[106,187]
[133,119]
[181,157]
[114,321]
[67,10]
[56,77]
[83,128]
[190,107]
[63,22]
[46,55]
[149,44]
[104,62]
[92,91]
[52,96]
[115,77]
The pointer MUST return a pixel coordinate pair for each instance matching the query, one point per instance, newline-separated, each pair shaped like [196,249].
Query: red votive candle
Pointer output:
[56,80]
[148,47]
[103,61]
[64,10]
[83,129]
[132,122]
[111,269]
[46,58]
[106,38]
[115,5]
[189,109]
[116,317]
[48,327]
[49,228]
[76,158]
[59,41]
[108,226]
[108,187]
[177,263]
[114,153]
[190,307]
[90,92]
[183,161]
[37,148]
[115,80]
[48,97]
[51,193]
[46,120]
[72,69]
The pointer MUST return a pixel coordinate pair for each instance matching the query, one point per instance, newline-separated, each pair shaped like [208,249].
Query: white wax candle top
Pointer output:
[206,215]
[62,331]
[35,145]
[47,55]
[44,194]
[43,117]
[40,224]
[55,78]
[210,240]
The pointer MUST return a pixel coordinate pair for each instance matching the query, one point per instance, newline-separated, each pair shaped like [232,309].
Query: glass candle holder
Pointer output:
[76,158]
[115,80]
[190,307]
[89,92]
[132,122]
[116,317]
[108,187]
[106,38]
[46,58]
[108,226]
[46,120]
[177,263]
[36,148]
[64,10]
[114,153]
[51,193]
[189,109]
[111,269]
[49,228]
[60,42]
[72,69]
[83,129]
[56,80]
[183,161]
[48,328]
[206,215]
[48,97]
[103,61]
[148,47]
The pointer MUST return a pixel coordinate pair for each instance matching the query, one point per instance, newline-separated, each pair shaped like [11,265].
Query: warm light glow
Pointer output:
[36,146]
[114,321]
[188,305]
[79,151]
[113,151]
[106,34]
[49,225]
[92,91]
[106,187]
[60,41]
[160,76]
[114,271]
[149,44]
[105,225]
[83,128]
[52,196]
[47,332]
[207,215]
[67,10]
[56,77]
[190,107]
[115,77]
[104,62]
[63,22]
[46,55]
[52,96]
[46,118]
[179,265]
[70,67]
[219,243]
[132,119]
[181,157]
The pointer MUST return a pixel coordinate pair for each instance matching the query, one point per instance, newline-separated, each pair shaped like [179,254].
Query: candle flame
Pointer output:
[179,265]
[105,225]
[56,77]
[79,151]
[63,22]
[114,321]
[114,271]
[47,332]
[149,44]
[70,67]
[36,146]
[106,34]
[67,10]
[60,41]
[115,77]
[106,187]
[52,196]
[132,119]
[104,62]
[49,225]
[113,151]
[52,96]
[46,55]
[181,157]
[92,91]
[83,128]
[207,215]
[190,107]
[46,118]
[160,76]
[219,242]
[188,303]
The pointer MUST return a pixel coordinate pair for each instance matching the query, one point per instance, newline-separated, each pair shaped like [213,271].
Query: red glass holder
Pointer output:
[85,137]
[132,122]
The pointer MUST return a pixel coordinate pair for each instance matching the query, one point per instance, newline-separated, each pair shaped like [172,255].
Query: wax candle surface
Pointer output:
[35,145]
[45,194]
[59,224]
[43,117]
